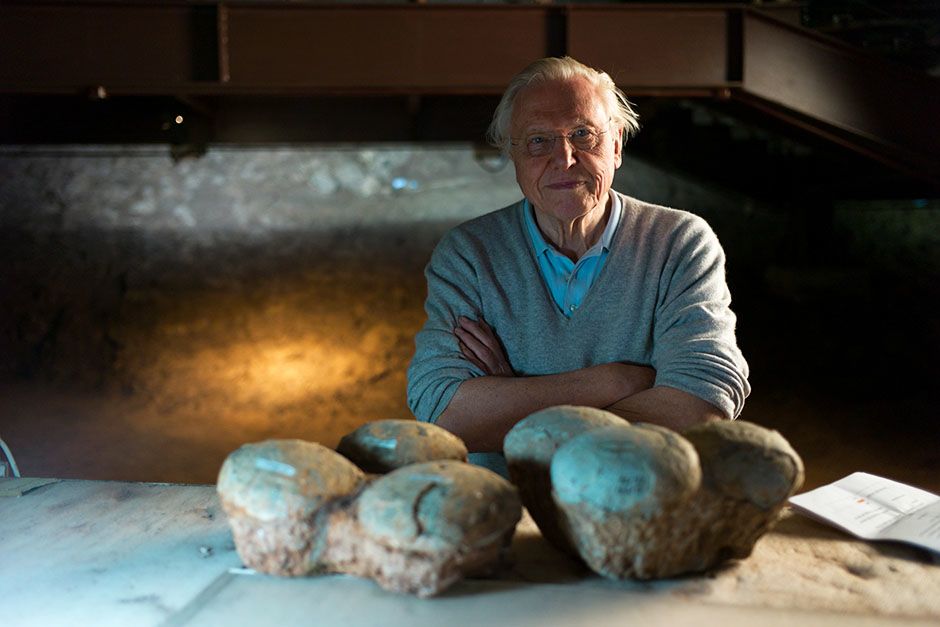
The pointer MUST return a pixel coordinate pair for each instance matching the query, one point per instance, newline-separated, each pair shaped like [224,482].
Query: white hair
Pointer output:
[561,69]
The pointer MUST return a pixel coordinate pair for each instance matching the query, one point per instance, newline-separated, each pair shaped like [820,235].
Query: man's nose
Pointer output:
[563,152]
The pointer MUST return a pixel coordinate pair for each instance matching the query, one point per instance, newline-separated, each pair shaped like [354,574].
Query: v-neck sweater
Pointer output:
[661,300]
[568,281]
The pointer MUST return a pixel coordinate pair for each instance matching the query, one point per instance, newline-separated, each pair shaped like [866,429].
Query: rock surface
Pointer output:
[384,445]
[297,508]
[621,492]
[276,495]
[423,527]
[640,501]
[529,447]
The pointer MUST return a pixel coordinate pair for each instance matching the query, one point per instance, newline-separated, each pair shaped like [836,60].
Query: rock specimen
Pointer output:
[529,448]
[423,527]
[645,502]
[297,508]
[748,473]
[631,500]
[384,445]
[278,496]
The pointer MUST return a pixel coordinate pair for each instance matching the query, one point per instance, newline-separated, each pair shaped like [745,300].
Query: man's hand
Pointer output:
[482,348]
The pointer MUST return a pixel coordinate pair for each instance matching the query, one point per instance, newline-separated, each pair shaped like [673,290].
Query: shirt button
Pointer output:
[572,308]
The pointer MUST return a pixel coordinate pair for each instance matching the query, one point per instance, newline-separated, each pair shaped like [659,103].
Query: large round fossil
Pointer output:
[642,501]
[618,489]
[529,448]
[384,445]
[276,495]
[422,527]
[297,508]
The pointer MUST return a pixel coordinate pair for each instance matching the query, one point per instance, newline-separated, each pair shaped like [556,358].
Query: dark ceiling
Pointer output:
[748,99]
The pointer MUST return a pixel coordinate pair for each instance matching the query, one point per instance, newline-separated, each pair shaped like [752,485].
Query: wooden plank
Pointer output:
[78,47]
[19,487]
[652,47]
[421,49]
[109,553]
[347,602]
[839,86]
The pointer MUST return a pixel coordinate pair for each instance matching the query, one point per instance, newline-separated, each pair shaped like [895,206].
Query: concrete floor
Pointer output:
[316,353]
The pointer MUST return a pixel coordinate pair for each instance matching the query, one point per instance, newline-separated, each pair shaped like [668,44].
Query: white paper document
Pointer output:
[875,508]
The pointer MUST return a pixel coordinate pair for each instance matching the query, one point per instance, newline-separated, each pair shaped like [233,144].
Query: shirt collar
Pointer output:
[538,240]
[541,245]
[612,222]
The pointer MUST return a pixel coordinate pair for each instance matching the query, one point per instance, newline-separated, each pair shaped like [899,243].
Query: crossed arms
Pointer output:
[655,342]
[484,409]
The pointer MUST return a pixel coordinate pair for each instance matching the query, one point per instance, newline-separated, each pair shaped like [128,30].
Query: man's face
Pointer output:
[566,183]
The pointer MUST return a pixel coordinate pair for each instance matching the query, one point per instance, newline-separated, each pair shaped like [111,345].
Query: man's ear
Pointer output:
[618,147]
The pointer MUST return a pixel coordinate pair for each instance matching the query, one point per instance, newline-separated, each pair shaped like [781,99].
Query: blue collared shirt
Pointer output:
[569,281]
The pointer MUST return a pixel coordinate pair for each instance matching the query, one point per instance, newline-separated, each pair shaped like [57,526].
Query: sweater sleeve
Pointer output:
[438,367]
[695,349]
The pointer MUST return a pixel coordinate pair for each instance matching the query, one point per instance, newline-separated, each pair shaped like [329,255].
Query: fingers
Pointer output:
[478,336]
[472,358]
[480,346]
[475,343]
[478,329]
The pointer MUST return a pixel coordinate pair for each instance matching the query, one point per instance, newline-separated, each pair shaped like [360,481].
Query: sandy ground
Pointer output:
[202,371]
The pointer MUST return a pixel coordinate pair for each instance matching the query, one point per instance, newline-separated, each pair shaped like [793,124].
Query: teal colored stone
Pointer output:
[438,506]
[626,467]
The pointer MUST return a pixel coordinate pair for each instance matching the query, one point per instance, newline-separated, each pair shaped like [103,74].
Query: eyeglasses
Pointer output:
[540,144]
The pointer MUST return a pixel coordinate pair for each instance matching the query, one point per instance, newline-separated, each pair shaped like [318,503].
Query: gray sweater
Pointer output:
[660,300]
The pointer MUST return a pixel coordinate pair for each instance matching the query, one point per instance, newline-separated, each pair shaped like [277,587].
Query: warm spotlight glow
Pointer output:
[302,360]
[179,119]
[289,372]
[276,373]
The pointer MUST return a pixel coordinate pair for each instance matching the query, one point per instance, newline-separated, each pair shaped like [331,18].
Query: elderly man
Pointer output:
[577,294]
